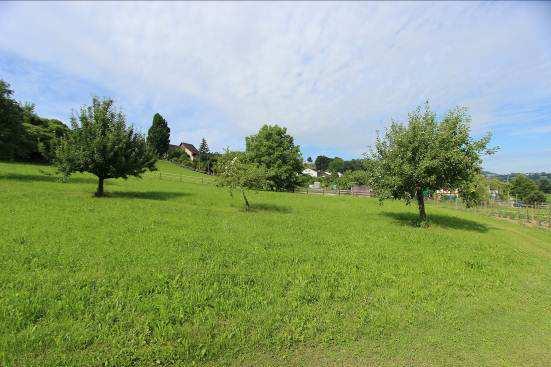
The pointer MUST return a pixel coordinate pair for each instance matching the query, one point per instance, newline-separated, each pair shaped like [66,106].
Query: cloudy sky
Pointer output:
[332,73]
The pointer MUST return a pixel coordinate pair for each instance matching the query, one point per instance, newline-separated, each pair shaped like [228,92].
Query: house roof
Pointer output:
[190,147]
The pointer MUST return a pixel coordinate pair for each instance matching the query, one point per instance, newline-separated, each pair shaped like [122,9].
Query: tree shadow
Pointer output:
[443,221]
[148,195]
[263,207]
[45,178]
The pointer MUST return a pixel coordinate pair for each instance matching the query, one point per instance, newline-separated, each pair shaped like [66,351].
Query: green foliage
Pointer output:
[322,163]
[12,133]
[305,180]
[351,178]
[354,165]
[179,157]
[235,173]
[24,135]
[426,154]
[336,165]
[204,151]
[41,135]
[100,143]
[174,153]
[503,188]
[522,187]
[203,162]
[274,150]
[158,135]
[527,190]
[476,191]
[544,185]
[535,197]
[167,273]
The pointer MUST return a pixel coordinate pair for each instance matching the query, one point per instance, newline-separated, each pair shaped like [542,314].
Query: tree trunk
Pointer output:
[99,192]
[421,204]
[247,206]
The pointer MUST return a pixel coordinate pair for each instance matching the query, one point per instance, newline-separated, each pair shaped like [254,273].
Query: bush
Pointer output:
[535,197]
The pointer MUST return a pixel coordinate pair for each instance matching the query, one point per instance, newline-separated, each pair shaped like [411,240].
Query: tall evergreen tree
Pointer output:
[158,135]
[100,143]
[204,151]
[203,158]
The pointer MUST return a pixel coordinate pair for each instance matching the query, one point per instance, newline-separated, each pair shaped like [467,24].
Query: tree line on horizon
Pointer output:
[410,159]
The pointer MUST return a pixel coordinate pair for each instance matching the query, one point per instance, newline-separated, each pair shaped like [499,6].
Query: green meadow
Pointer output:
[163,272]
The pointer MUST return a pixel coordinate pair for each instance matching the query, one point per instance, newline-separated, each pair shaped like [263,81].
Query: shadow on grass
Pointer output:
[45,178]
[444,221]
[262,207]
[148,195]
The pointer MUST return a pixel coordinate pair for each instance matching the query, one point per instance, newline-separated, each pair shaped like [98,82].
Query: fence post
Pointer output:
[160,178]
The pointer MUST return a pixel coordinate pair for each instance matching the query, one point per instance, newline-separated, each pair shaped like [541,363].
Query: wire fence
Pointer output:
[333,192]
[536,215]
[201,180]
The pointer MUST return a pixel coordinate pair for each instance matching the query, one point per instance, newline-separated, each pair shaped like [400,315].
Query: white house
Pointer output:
[310,172]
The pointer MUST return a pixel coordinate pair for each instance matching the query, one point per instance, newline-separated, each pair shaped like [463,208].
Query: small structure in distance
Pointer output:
[187,148]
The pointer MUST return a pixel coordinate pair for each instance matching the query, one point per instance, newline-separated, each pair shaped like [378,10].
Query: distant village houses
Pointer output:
[313,173]
[310,172]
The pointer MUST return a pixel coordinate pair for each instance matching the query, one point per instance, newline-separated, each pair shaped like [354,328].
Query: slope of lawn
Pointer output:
[171,273]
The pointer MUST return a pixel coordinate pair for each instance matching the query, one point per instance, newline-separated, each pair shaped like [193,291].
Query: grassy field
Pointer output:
[164,272]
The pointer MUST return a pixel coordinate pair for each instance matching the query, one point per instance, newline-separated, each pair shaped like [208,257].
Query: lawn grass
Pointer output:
[164,272]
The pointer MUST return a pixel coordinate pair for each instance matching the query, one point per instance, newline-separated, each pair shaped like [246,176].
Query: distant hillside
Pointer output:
[503,177]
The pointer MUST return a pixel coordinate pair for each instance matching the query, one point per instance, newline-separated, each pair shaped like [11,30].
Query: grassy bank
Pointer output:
[164,272]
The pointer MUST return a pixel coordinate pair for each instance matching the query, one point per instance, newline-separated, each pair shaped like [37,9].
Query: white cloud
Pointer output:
[331,72]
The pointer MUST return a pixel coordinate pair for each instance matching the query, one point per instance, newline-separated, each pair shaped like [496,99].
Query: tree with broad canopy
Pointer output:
[100,143]
[427,155]
[275,150]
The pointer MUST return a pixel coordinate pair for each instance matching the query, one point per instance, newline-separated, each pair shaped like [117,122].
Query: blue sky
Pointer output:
[332,73]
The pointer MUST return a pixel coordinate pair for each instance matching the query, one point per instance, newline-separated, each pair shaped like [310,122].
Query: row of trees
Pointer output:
[425,154]
[335,164]
[409,160]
